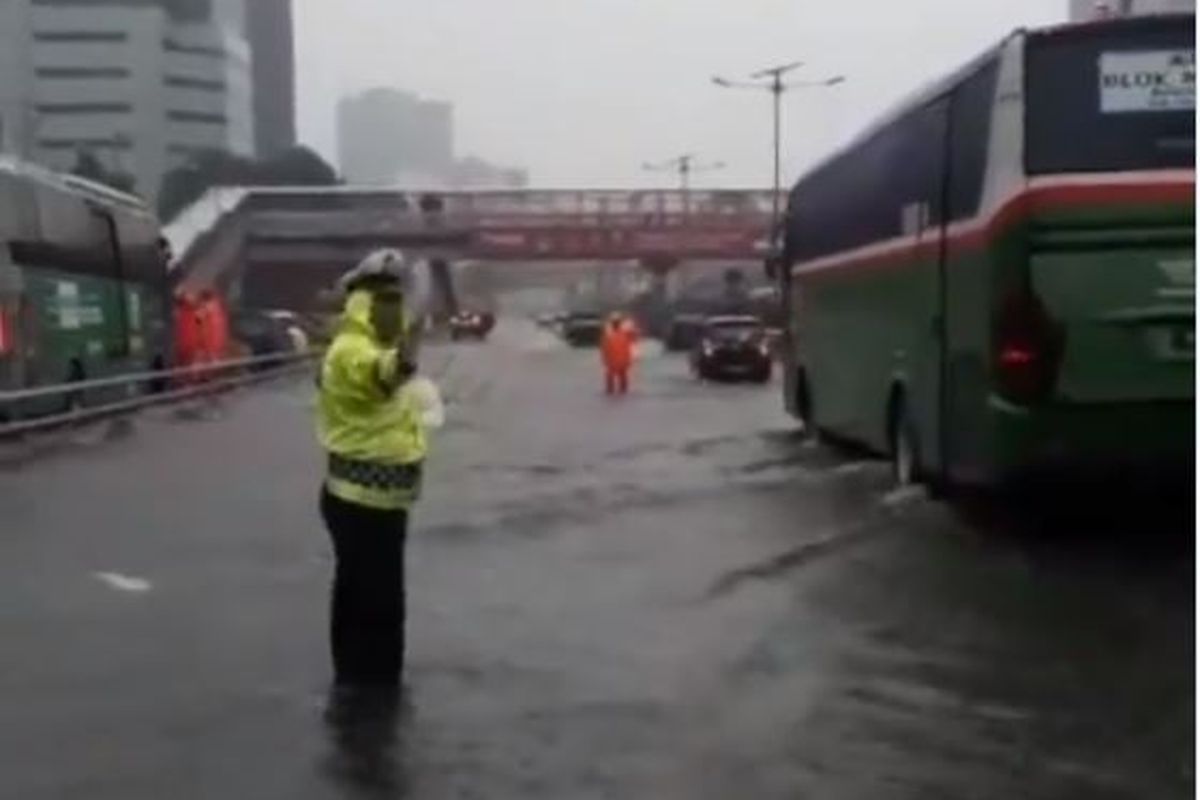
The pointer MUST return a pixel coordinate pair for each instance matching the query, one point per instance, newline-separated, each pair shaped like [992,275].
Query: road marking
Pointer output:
[124,583]
[851,467]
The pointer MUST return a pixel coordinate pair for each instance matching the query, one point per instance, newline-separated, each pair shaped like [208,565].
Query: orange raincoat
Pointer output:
[616,349]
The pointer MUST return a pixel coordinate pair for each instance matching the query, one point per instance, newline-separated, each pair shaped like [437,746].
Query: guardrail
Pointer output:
[142,390]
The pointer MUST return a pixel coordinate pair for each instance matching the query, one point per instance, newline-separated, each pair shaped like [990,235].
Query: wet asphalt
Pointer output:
[667,596]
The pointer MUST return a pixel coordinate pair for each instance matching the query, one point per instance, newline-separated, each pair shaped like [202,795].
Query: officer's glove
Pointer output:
[405,370]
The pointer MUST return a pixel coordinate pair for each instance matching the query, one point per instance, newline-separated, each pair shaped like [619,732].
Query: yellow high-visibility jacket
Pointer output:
[374,438]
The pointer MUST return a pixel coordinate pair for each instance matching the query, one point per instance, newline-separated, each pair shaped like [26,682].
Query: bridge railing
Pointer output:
[355,224]
[67,404]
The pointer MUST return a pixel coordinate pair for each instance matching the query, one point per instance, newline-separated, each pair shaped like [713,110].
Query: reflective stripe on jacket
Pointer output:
[373,437]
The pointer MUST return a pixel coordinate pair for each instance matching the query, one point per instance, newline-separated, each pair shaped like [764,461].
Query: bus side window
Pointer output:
[970,125]
[109,250]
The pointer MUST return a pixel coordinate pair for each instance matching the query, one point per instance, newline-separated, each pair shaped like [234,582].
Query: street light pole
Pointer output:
[772,79]
[777,137]
[685,166]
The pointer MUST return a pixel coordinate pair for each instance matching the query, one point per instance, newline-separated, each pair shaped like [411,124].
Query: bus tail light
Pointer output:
[1028,349]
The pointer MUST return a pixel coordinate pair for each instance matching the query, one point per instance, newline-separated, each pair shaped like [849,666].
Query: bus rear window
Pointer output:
[1112,96]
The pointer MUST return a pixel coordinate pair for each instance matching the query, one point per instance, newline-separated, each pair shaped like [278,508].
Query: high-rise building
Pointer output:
[141,86]
[388,136]
[272,41]
[1084,10]
[475,173]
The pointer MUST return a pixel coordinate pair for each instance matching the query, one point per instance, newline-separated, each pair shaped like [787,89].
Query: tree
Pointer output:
[88,166]
[297,166]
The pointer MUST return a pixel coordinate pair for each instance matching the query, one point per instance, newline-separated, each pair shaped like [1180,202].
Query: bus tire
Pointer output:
[903,440]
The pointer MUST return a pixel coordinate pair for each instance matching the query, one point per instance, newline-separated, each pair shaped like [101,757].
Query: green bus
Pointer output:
[997,279]
[83,285]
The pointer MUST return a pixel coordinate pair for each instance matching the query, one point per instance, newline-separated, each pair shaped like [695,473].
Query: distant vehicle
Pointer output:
[548,320]
[684,331]
[766,304]
[83,285]
[583,329]
[774,338]
[293,326]
[998,279]
[264,333]
[471,325]
[732,348]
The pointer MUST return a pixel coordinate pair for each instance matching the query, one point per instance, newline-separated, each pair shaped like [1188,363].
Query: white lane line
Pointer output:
[852,467]
[124,583]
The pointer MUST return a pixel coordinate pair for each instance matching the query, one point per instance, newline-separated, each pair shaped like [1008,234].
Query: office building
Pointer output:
[476,173]
[387,136]
[272,42]
[142,86]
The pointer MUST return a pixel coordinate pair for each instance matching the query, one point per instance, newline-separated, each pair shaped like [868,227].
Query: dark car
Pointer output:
[263,333]
[734,347]
[471,325]
[583,329]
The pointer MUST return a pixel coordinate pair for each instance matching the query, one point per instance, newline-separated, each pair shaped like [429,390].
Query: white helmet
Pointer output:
[381,267]
[392,269]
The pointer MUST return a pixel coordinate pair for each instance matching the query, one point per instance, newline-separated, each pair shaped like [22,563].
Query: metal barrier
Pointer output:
[201,379]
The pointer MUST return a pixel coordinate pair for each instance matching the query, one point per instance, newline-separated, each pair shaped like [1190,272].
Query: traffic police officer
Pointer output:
[369,422]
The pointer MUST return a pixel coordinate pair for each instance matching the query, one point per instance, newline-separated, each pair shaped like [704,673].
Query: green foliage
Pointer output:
[297,166]
[88,166]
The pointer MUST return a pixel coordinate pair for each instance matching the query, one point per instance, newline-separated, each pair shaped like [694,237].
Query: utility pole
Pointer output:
[685,166]
[772,80]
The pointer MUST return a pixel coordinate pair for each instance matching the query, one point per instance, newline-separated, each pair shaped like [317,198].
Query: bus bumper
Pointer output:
[1077,440]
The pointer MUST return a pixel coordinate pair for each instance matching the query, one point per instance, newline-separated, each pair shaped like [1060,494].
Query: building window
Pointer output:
[84,108]
[201,84]
[82,72]
[197,116]
[73,144]
[80,36]
[172,46]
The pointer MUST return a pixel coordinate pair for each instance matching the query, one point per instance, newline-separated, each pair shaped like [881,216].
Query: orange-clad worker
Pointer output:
[616,349]
[215,331]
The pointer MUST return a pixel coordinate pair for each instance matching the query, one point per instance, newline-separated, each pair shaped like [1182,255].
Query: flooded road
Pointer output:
[667,596]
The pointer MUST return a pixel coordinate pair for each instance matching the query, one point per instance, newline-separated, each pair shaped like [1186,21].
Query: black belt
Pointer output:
[374,475]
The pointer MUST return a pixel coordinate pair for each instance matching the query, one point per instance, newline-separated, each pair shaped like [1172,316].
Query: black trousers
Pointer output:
[367,609]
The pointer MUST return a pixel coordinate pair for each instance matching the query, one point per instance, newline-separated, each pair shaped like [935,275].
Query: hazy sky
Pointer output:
[583,92]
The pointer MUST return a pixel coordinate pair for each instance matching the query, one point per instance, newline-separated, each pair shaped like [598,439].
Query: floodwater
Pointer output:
[666,596]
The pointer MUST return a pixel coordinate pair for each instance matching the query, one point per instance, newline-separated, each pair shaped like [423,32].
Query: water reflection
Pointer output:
[365,729]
